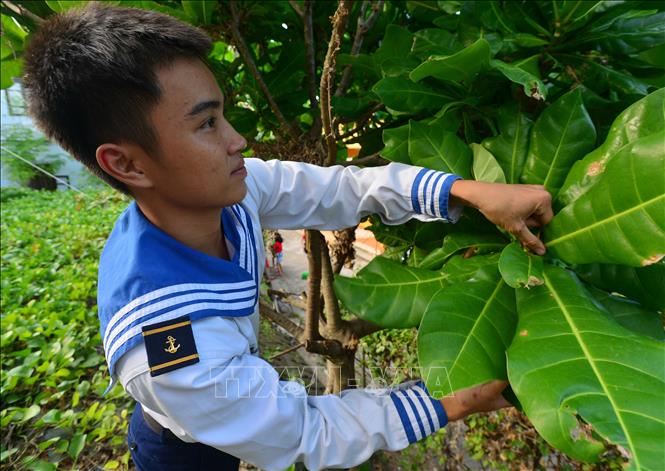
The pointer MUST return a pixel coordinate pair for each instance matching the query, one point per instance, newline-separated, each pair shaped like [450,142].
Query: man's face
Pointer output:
[199,165]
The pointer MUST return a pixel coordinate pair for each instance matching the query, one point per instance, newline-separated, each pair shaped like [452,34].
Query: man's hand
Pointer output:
[515,208]
[484,398]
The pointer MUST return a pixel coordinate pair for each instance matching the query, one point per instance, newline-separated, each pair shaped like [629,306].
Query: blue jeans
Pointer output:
[164,452]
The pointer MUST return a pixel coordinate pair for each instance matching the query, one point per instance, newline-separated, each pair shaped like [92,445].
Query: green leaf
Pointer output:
[629,314]
[562,134]
[396,142]
[388,293]
[621,219]
[31,412]
[520,269]
[432,147]
[511,146]
[529,40]
[630,33]
[569,359]
[10,69]
[350,107]
[434,41]
[396,44]
[76,445]
[362,64]
[643,118]
[644,284]
[401,94]
[460,67]
[243,120]
[479,243]
[199,11]
[465,332]
[59,6]
[485,166]
[532,85]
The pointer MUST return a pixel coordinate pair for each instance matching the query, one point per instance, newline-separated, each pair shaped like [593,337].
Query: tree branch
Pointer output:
[312,313]
[333,314]
[21,10]
[297,8]
[361,29]
[281,320]
[362,122]
[339,24]
[311,67]
[246,55]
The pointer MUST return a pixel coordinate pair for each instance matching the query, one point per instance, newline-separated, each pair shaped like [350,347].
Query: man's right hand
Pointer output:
[483,398]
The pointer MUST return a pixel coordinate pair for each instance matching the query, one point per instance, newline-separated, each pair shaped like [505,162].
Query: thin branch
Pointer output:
[362,122]
[281,320]
[339,24]
[296,8]
[361,29]
[311,67]
[21,10]
[312,313]
[287,351]
[246,55]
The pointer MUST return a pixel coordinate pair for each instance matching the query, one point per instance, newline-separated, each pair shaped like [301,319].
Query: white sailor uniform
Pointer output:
[222,394]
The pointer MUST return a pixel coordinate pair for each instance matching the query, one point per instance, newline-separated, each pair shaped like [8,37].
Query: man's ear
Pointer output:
[122,163]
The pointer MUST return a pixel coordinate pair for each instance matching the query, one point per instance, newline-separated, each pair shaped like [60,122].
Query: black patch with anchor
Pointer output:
[170,345]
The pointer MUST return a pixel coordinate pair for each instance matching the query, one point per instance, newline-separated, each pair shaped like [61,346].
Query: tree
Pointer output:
[501,91]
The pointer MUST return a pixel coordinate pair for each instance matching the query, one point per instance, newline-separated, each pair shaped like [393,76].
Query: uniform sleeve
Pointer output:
[294,195]
[235,402]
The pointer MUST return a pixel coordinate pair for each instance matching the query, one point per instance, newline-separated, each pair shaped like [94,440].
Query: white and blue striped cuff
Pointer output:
[430,193]
[420,413]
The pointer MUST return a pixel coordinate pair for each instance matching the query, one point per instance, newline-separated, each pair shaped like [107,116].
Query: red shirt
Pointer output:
[277,246]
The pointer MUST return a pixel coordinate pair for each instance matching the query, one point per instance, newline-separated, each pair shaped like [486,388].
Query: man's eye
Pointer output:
[209,123]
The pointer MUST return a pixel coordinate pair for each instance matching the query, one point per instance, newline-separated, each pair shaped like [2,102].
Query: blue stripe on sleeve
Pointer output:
[436,182]
[426,186]
[404,417]
[438,407]
[414,190]
[416,413]
[444,195]
[421,399]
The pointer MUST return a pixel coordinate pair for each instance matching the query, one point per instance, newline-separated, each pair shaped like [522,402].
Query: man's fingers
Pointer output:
[529,240]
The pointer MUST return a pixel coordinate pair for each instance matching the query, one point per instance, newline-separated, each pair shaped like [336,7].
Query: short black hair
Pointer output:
[90,76]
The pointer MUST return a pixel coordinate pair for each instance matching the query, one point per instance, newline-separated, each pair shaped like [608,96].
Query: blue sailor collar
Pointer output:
[146,276]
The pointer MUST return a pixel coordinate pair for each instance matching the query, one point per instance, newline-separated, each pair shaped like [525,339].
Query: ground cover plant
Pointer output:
[53,369]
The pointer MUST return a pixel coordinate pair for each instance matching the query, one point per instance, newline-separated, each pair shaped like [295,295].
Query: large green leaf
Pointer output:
[621,219]
[520,269]
[629,314]
[465,331]
[562,134]
[396,44]
[511,146]
[485,166]
[644,284]
[401,94]
[643,118]
[435,148]
[632,32]
[388,293]
[479,243]
[396,142]
[569,362]
[460,67]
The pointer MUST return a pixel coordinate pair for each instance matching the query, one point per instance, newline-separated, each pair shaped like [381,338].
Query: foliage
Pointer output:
[34,148]
[521,92]
[53,369]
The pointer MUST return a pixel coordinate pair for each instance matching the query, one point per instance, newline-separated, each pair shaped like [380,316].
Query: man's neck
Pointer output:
[200,230]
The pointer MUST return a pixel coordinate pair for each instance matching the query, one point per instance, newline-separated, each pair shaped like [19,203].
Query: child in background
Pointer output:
[277,253]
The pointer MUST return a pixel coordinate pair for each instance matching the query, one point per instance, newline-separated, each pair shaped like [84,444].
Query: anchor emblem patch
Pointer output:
[172,347]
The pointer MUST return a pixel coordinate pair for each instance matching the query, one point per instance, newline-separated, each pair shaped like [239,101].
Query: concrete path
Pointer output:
[294,264]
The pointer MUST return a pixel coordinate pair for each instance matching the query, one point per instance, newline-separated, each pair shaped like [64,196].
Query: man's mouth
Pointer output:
[240,170]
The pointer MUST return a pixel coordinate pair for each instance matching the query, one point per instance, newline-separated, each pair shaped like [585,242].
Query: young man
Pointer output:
[128,93]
